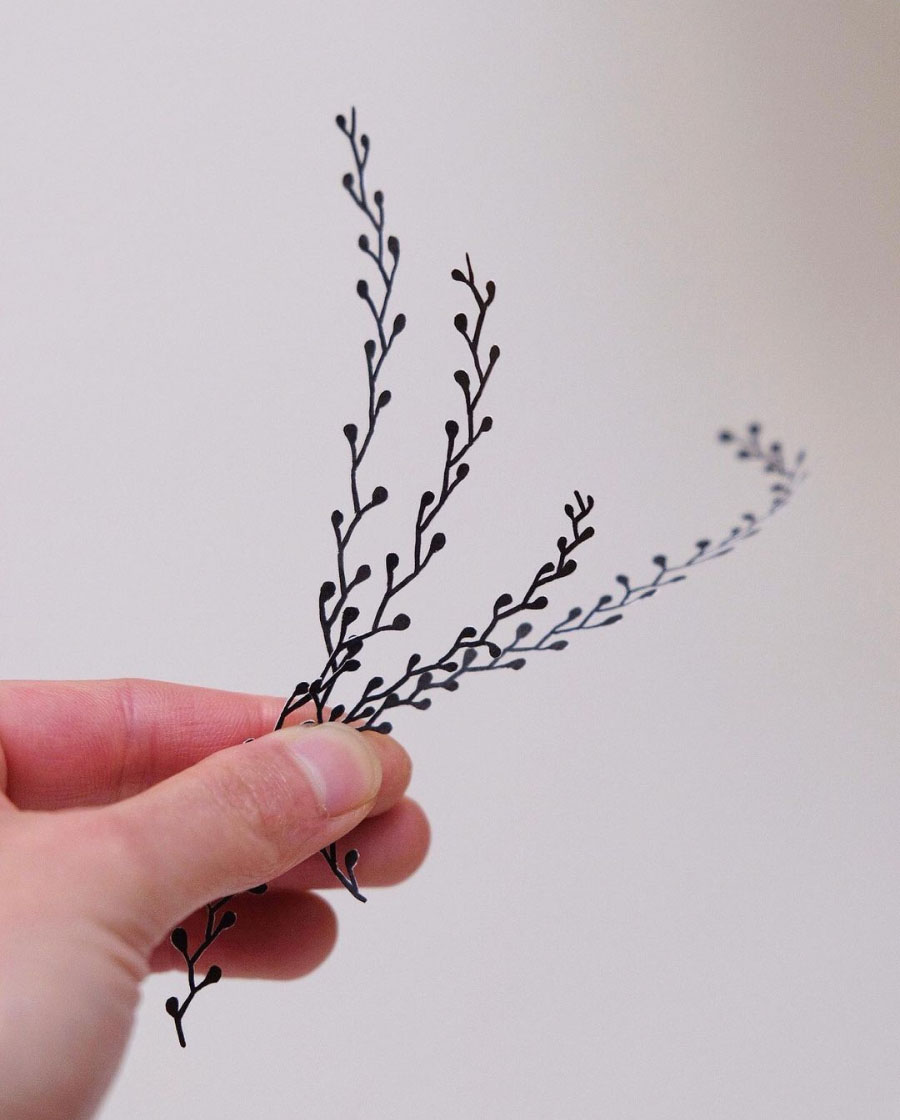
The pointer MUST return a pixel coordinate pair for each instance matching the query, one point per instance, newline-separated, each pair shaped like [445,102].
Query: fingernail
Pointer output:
[342,768]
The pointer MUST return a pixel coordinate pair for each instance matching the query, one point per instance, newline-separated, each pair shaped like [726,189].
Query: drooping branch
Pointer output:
[609,607]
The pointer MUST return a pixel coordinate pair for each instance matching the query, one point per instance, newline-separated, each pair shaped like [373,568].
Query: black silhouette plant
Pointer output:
[349,629]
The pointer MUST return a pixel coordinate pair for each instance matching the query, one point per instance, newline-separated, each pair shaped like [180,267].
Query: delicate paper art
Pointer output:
[506,639]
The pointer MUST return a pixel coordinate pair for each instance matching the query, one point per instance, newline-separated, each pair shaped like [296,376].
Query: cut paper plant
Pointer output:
[351,622]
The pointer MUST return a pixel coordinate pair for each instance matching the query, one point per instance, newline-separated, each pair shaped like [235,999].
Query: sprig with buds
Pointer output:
[349,627]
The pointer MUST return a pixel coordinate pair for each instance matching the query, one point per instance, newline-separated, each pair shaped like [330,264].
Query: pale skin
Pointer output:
[125,806]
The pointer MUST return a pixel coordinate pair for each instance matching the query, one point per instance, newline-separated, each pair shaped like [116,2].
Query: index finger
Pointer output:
[73,743]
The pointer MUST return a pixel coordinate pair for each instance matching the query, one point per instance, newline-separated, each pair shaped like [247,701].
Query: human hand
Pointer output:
[121,814]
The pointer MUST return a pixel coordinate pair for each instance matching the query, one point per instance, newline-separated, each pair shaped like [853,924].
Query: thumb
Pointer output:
[236,819]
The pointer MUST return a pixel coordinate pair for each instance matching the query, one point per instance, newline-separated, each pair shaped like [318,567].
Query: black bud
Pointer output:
[561,644]
[227,920]
[457,275]
[337,518]
[214,975]
[486,424]
[427,498]
[378,196]
[351,666]
[379,495]
[350,431]
[568,568]
[384,398]
[363,242]
[351,859]
[461,323]
[469,656]
[462,471]
[399,323]
[261,889]
[467,632]
[493,649]
[347,180]
[391,561]
[350,615]
[523,630]
[538,604]
[726,437]
[354,646]
[494,354]
[325,593]
[461,378]
[179,938]
[370,348]
[519,663]
[502,601]
[341,121]
[364,141]
[452,429]
[383,728]
[362,288]
[491,289]
[659,561]
[393,246]
[362,573]
[401,622]
[437,542]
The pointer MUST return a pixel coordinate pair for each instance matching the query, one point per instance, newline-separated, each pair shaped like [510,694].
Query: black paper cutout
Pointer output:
[474,649]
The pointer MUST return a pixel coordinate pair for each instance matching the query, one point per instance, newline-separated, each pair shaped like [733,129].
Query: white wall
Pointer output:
[663,881]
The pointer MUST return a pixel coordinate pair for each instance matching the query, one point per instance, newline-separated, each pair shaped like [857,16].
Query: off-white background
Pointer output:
[664,875]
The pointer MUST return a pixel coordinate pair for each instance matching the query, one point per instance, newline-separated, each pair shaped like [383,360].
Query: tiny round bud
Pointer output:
[378,196]
[363,242]
[362,289]
[461,322]
[347,180]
